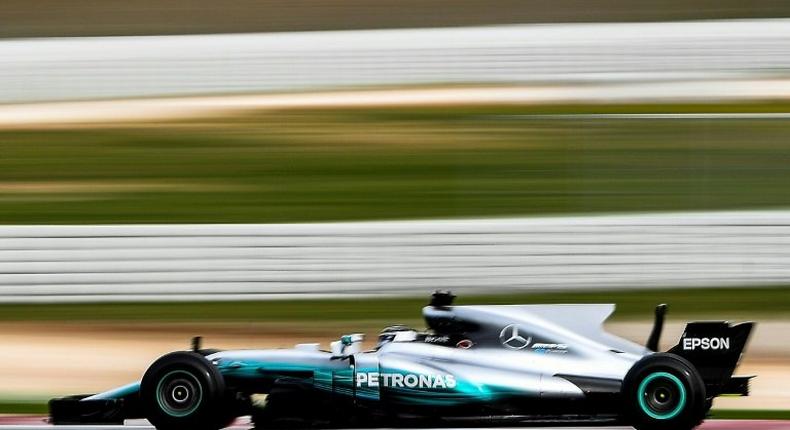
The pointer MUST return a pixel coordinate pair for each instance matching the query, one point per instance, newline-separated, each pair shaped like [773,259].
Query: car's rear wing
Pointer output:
[715,348]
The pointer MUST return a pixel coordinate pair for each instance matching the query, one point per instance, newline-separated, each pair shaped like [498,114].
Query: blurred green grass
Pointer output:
[395,163]
[708,303]
[23,407]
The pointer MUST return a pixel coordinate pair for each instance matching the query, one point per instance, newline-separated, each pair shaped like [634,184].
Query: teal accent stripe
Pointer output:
[642,394]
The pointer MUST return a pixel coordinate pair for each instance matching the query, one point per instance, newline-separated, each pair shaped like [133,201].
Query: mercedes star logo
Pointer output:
[510,338]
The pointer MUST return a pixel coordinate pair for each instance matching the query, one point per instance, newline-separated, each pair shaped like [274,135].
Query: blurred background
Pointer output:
[270,172]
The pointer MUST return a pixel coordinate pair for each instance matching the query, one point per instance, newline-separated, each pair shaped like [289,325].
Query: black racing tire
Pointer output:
[664,392]
[184,391]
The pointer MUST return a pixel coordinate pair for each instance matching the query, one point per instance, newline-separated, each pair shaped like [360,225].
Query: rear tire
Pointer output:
[664,392]
[184,391]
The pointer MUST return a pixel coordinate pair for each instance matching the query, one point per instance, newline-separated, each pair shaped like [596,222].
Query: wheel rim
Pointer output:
[179,393]
[662,396]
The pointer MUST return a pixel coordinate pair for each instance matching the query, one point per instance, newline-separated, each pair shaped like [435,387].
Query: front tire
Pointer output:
[664,392]
[183,390]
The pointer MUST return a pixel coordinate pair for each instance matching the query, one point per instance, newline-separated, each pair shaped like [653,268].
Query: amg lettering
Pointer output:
[437,339]
[706,343]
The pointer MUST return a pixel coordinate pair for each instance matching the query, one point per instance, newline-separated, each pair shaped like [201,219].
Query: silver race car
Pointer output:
[473,366]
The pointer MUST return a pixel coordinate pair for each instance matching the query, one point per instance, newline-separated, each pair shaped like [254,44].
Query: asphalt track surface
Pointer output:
[36,423]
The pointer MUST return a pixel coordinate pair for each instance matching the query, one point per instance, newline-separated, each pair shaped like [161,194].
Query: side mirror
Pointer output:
[353,343]
[347,345]
[337,348]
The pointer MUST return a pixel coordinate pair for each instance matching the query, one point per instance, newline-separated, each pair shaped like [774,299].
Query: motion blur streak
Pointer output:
[99,112]
[268,261]
[108,67]
[242,424]
[46,18]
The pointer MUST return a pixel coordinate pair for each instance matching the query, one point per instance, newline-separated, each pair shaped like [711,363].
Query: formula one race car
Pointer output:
[475,365]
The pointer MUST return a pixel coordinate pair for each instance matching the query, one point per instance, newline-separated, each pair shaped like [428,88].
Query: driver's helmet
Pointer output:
[396,333]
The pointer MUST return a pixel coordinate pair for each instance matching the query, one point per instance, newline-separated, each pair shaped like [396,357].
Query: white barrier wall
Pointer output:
[221,262]
[111,67]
